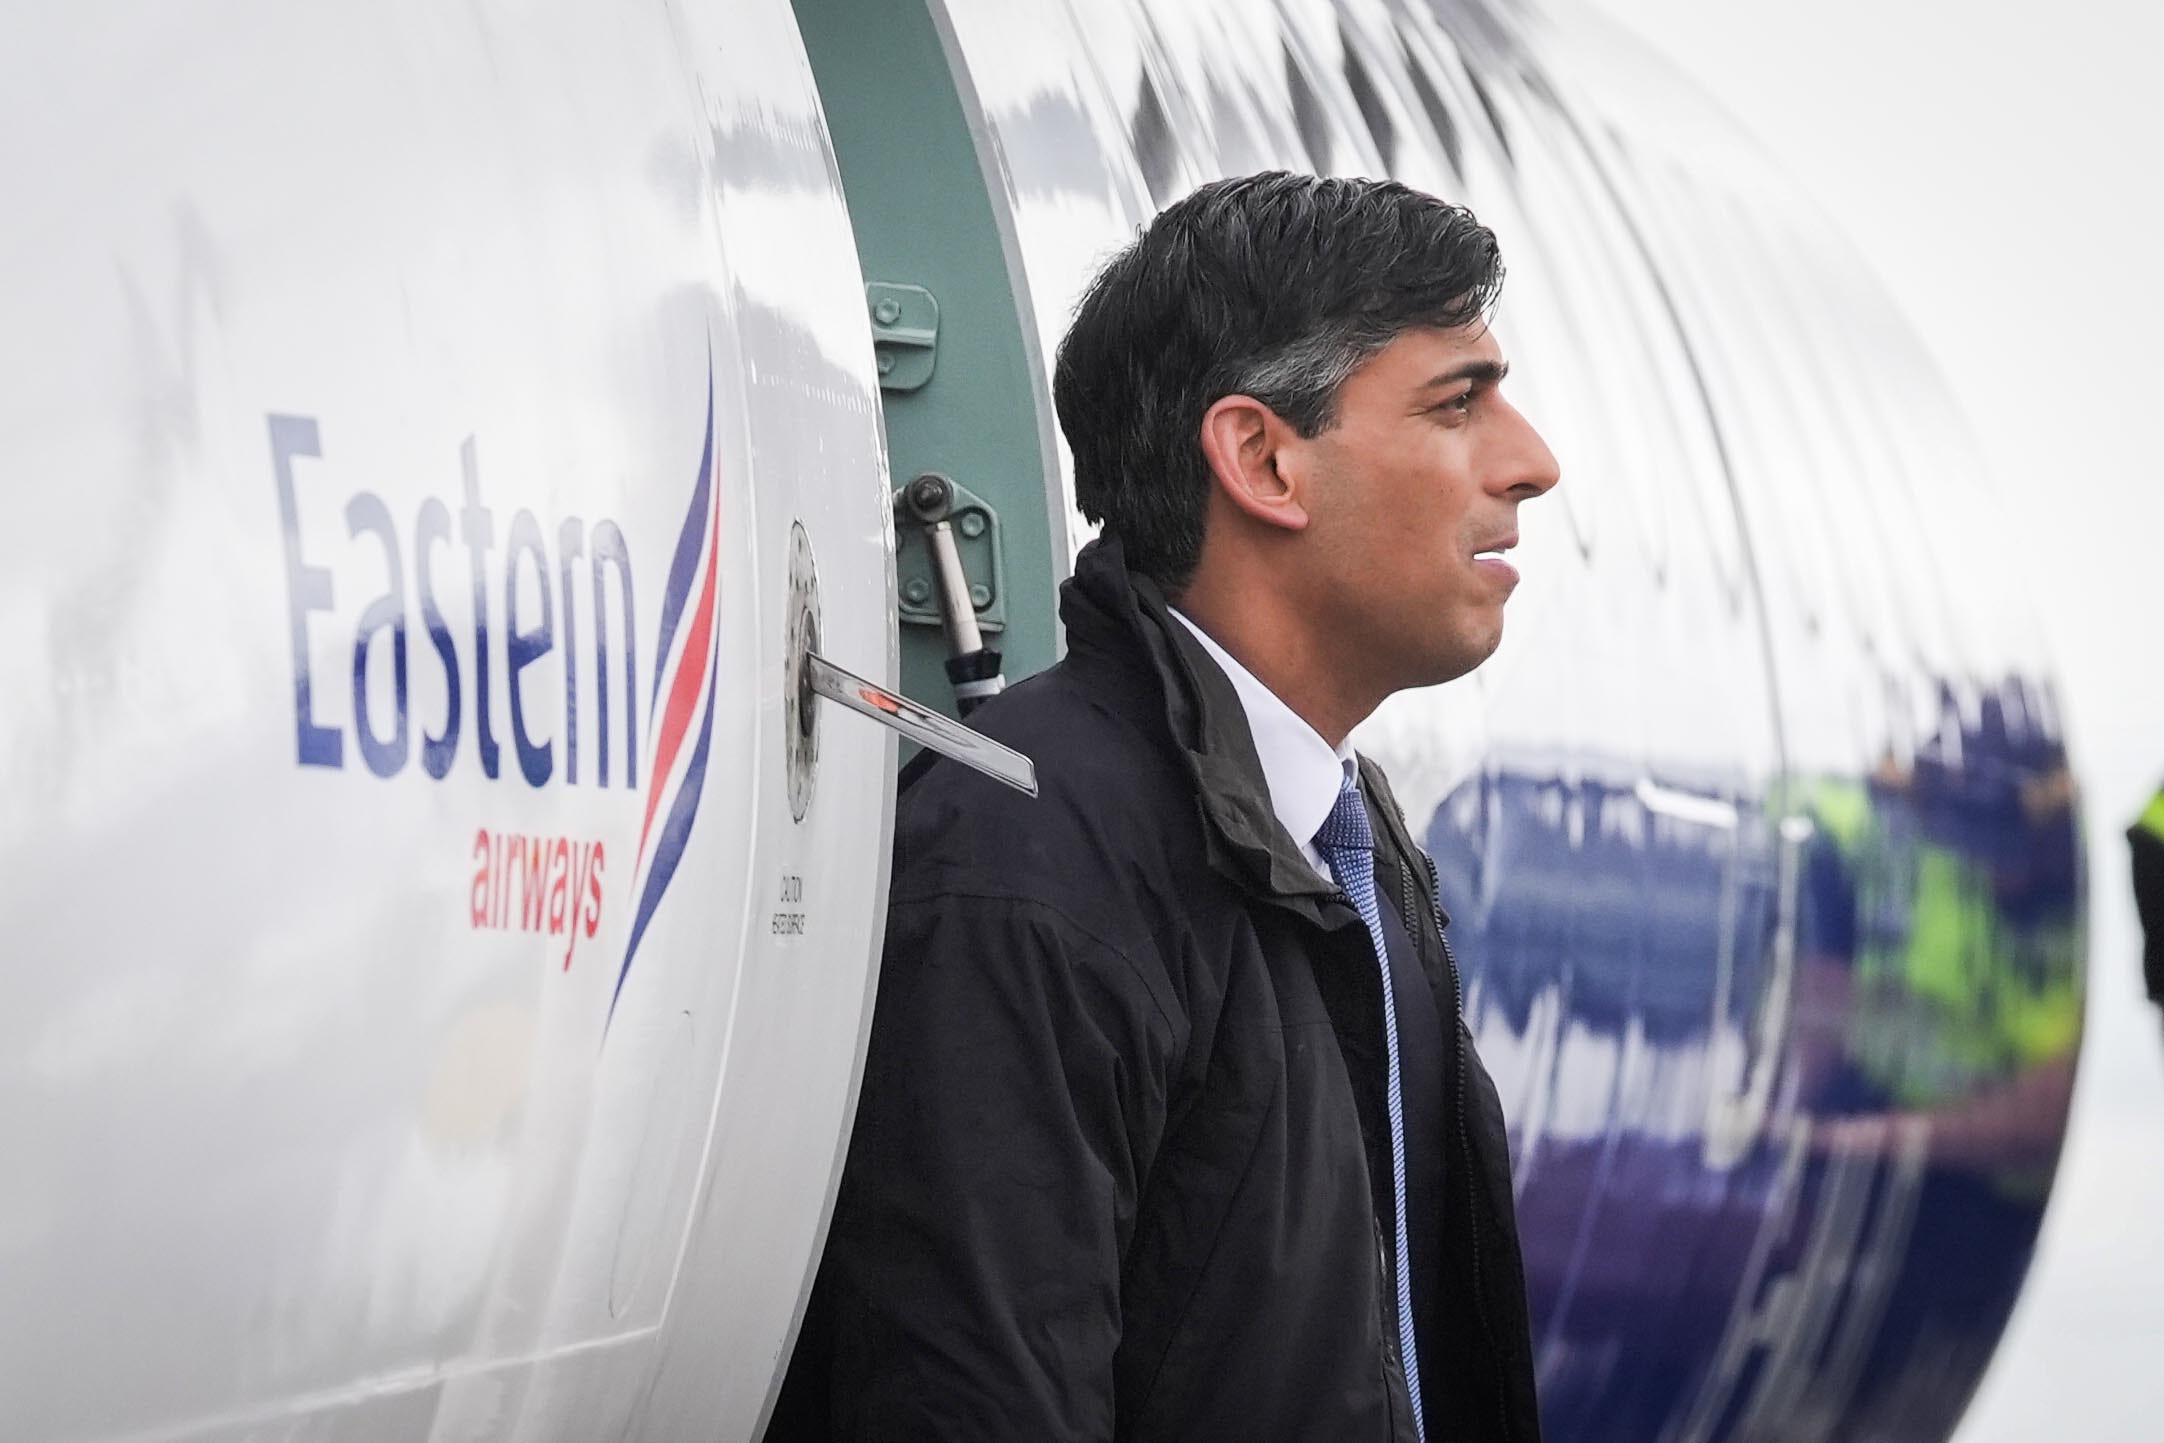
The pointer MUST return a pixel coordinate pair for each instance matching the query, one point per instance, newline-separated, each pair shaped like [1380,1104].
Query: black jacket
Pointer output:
[1122,1131]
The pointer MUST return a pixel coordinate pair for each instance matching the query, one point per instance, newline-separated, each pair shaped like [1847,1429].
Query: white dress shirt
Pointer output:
[1301,770]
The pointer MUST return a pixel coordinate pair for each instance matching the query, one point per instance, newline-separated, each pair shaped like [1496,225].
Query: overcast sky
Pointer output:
[2002,166]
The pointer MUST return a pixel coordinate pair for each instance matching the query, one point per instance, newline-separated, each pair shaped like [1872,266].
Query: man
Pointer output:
[1169,1127]
[2145,839]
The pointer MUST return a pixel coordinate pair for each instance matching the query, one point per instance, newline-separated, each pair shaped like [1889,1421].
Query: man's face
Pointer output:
[1413,496]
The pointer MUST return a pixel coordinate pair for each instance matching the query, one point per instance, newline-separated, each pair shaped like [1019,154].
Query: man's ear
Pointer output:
[1242,440]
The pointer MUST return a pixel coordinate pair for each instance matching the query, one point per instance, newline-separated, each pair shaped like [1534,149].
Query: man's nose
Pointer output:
[1529,468]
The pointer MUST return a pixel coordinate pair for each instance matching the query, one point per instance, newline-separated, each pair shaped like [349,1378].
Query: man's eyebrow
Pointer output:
[1489,373]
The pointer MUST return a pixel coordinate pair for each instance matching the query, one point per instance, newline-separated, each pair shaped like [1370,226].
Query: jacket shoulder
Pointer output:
[1115,811]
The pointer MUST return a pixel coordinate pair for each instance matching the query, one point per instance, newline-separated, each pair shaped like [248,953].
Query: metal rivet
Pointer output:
[972,523]
[886,363]
[887,312]
[916,591]
[980,596]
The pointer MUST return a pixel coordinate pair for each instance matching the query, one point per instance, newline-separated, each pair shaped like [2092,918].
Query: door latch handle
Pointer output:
[920,724]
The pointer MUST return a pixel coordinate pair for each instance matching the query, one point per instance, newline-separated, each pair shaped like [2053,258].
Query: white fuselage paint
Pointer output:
[361,367]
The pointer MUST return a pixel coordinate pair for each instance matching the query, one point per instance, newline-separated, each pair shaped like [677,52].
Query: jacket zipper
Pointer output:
[1390,1358]
[1465,1132]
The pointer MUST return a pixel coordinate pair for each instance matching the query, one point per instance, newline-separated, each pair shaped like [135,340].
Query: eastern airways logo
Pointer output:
[539,884]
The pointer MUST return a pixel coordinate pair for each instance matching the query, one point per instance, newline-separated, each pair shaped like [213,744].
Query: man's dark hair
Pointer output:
[1273,286]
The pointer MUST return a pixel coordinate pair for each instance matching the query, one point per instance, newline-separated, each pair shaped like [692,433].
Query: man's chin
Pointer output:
[1465,655]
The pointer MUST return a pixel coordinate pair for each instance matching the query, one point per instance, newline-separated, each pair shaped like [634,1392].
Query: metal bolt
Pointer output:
[980,596]
[886,363]
[887,312]
[916,591]
[972,524]
[929,495]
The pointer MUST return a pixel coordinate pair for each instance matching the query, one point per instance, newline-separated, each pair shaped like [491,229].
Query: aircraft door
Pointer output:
[982,533]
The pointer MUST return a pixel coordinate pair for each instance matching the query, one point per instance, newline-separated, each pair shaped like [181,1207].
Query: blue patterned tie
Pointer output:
[1348,844]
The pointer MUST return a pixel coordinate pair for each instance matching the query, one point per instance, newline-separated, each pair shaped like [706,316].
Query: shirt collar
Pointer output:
[1301,770]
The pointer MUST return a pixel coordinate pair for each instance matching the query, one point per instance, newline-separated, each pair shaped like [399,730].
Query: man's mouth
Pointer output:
[1490,560]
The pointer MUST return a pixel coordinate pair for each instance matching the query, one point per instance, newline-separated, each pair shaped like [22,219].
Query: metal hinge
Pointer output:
[905,334]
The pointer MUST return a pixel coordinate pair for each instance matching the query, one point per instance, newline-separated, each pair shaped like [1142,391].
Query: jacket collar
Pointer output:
[1116,617]
[1303,774]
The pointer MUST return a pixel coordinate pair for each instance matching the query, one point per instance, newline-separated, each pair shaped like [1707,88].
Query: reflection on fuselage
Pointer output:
[1765,1274]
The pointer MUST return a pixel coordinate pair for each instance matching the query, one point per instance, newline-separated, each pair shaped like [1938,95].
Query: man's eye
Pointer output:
[1457,404]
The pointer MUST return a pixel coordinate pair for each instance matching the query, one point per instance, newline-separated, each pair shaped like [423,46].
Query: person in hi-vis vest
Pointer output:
[2146,840]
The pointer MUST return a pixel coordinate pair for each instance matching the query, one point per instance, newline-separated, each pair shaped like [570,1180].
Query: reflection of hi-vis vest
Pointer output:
[1960,994]
[2145,839]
